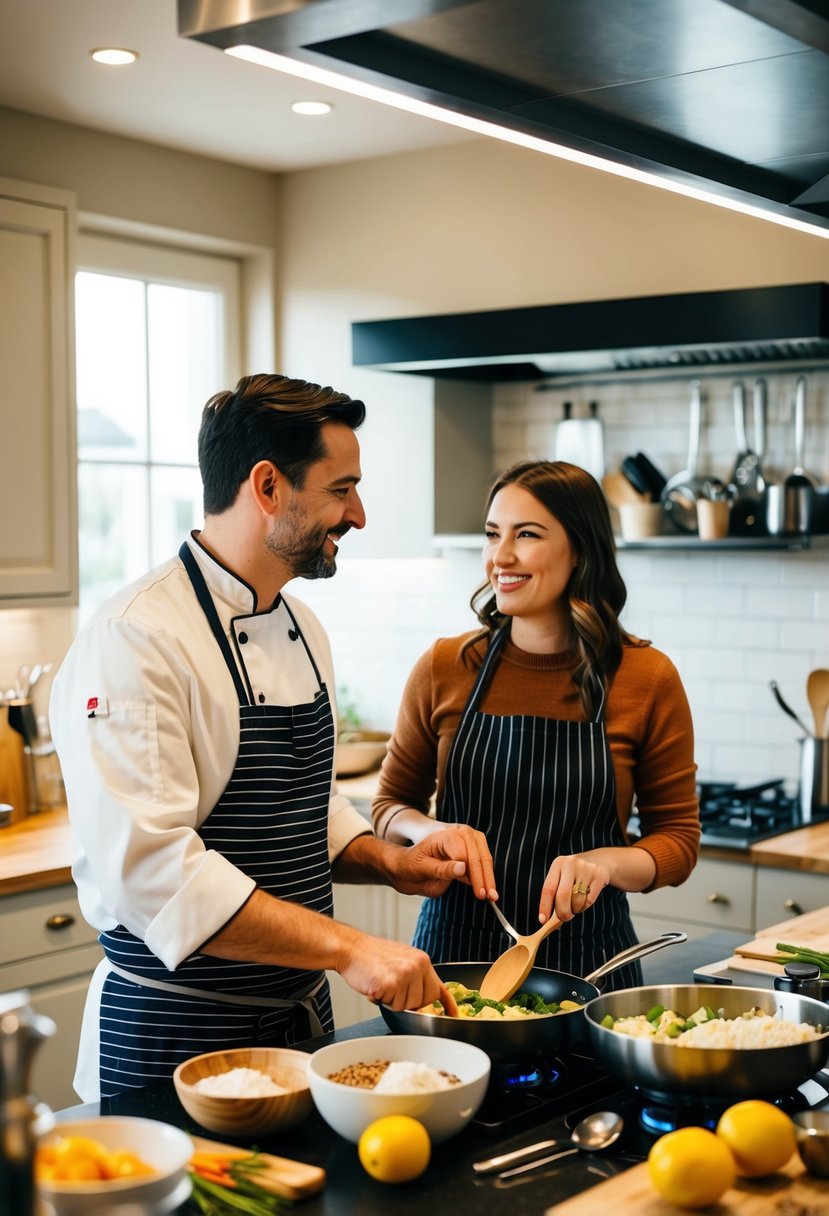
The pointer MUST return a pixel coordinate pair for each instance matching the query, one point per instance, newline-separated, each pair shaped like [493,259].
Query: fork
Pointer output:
[514,934]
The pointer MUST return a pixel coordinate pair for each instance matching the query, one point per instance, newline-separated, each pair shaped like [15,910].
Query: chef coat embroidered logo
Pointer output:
[97,707]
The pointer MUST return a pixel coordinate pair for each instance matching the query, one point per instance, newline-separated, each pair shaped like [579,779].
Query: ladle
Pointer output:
[510,969]
[594,1133]
[817,691]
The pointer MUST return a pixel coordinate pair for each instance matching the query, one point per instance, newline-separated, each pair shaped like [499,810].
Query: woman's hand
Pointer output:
[452,853]
[573,883]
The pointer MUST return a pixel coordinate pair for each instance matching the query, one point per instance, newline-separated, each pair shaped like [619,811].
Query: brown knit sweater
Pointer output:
[647,719]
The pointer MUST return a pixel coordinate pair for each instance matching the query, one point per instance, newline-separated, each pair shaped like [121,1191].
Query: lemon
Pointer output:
[394,1149]
[761,1137]
[691,1167]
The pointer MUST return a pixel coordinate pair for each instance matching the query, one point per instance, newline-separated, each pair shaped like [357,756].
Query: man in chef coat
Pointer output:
[195,724]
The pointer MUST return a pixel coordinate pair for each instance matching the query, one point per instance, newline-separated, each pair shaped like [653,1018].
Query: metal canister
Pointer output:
[804,979]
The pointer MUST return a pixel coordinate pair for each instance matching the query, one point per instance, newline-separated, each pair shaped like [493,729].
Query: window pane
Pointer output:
[111,367]
[186,349]
[176,509]
[112,534]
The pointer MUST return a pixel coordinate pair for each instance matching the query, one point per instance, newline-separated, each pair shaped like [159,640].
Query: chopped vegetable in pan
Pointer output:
[707,1028]
[523,1005]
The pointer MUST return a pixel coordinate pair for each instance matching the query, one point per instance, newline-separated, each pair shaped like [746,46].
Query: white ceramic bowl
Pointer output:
[167,1149]
[247,1116]
[443,1113]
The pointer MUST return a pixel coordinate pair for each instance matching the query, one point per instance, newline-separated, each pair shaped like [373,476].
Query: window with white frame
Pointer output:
[157,334]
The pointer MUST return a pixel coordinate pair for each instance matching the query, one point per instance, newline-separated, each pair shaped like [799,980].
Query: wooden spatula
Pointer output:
[280,1175]
[817,690]
[510,969]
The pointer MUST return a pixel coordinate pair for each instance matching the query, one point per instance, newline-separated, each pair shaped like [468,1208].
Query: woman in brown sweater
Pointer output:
[537,732]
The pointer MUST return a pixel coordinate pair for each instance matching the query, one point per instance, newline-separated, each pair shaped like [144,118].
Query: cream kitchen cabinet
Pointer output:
[48,949]
[381,912]
[787,893]
[718,895]
[38,516]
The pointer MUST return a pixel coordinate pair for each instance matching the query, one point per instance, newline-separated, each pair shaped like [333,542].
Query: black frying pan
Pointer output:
[526,1037]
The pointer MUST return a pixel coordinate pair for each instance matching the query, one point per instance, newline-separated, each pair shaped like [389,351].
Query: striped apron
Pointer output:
[272,823]
[536,788]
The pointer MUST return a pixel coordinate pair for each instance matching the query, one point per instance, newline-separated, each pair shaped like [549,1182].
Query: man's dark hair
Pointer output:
[266,418]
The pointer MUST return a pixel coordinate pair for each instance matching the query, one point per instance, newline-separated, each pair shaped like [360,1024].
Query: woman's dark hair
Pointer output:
[596,590]
[266,417]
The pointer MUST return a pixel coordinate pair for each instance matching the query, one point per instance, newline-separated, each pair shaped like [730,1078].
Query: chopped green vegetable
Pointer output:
[804,954]
[655,1012]
[674,1030]
[607,1021]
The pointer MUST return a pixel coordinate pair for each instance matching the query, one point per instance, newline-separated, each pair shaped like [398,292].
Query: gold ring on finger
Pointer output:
[580,889]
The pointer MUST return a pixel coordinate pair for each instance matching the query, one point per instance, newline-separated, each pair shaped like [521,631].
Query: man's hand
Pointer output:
[454,853]
[399,976]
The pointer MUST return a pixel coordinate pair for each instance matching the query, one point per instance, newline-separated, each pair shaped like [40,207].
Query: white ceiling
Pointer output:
[185,94]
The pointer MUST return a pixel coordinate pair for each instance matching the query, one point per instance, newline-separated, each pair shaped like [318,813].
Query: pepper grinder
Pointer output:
[22,1117]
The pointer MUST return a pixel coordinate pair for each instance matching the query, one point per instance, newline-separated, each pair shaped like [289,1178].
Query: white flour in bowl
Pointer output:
[405,1077]
[239,1083]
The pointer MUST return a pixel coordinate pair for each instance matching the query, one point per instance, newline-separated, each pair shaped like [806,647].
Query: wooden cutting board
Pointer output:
[811,929]
[290,1179]
[791,1192]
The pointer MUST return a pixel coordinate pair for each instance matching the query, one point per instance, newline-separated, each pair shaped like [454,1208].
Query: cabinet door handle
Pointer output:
[61,920]
[716,898]
[791,905]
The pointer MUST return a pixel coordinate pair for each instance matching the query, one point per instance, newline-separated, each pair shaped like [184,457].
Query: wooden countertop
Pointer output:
[37,852]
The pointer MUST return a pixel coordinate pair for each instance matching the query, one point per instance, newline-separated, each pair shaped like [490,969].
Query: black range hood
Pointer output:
[692,330]
[728,95]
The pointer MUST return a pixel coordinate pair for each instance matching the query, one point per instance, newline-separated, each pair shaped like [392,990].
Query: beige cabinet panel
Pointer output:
[782,893]
[48,950]
[37,458]
[718,894]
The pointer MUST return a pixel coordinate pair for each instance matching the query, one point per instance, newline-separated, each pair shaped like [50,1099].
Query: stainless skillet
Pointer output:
[707,1071]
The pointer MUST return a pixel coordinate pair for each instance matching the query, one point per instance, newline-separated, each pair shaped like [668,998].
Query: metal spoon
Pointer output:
[592,1134]
[787,709]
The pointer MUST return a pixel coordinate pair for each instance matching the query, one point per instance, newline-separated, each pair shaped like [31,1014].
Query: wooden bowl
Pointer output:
[243,1116]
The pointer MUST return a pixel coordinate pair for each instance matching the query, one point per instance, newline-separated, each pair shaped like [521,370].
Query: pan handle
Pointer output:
[695,426]
[739,396]
[634,952]
[760,416]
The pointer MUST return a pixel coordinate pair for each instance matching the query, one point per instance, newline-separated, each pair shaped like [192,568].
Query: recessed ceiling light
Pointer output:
[115,56]
[311,107]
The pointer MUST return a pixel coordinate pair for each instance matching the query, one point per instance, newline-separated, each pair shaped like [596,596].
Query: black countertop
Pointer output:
[449,1183]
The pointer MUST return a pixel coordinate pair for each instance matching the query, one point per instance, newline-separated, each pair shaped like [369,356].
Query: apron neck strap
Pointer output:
[209,608]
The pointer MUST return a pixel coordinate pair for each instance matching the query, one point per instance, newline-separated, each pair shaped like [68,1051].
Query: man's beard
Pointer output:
[302,550]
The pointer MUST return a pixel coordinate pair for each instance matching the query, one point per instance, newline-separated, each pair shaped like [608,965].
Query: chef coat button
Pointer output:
[293,634]
[243,637]
[261,698]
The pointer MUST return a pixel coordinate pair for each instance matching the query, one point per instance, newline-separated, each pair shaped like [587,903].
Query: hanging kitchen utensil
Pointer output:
[644,476]
[817,691]
[747,484]
[681,491]
[798,489]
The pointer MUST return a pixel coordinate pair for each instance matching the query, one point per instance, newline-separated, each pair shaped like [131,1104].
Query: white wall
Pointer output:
[486,226]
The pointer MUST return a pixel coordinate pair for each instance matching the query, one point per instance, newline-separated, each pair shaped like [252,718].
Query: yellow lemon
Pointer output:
[394,1149]
[691,1167]
[761,1137]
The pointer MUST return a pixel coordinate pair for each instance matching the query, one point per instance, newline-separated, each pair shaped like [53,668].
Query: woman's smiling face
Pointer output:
[528,557]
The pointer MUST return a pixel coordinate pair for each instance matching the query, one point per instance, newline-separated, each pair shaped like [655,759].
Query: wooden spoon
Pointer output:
[817,690]
[510,969]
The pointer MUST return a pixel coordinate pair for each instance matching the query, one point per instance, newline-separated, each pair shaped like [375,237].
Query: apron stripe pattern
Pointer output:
[272,823]
[536,788]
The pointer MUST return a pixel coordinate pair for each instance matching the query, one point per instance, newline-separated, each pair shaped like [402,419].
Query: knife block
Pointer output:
[15,769]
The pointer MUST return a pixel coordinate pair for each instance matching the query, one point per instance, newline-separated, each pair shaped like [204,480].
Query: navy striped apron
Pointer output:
[272,823]
[536,788]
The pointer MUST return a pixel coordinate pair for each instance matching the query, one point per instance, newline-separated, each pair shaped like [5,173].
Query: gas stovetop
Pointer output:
[736,816]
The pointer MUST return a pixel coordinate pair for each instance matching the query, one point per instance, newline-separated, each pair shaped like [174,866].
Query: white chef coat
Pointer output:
[147,769]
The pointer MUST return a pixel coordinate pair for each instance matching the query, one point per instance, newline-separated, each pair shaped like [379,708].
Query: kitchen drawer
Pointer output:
[41,922]
[719,894]
[782,893]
